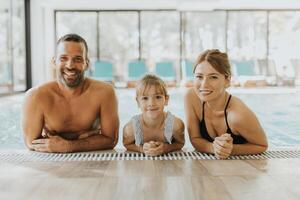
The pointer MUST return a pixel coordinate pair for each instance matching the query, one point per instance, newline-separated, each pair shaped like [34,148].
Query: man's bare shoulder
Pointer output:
[100,87]
[42,91]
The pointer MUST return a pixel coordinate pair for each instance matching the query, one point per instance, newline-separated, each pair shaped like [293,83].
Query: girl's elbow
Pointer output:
[265,147]
[194,144]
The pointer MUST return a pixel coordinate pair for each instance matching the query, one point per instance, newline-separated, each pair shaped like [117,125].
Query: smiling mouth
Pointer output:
[205,92]
[153,109]
[72,74]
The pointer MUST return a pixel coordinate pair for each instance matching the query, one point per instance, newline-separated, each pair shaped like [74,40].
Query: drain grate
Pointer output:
[27,156]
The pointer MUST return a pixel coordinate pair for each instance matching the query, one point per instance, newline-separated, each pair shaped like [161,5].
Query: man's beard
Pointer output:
[71,83]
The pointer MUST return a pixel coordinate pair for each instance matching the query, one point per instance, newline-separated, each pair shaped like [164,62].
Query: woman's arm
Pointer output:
[244,121]
[191,103]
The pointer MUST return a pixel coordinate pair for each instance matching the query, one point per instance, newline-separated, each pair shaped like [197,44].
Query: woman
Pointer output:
[218,122]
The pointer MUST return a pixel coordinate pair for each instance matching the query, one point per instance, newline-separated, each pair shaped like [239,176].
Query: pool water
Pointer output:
[278,112]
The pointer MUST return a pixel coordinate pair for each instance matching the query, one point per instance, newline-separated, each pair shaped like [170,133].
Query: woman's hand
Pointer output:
[222,146]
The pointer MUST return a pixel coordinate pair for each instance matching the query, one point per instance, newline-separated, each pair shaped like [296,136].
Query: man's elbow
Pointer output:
[28,143]
[113,142]
[264,147]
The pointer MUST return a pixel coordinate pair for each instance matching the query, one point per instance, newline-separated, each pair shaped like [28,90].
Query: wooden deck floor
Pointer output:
[152,179]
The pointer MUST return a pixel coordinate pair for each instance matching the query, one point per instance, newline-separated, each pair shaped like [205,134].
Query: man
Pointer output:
[73,113]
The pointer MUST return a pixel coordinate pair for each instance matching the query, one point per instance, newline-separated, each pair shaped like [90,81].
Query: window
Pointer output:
[160,37]
[119,39]
[12,43]
[201,31]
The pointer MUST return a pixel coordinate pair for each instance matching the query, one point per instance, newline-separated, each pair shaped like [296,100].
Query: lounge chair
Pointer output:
[166,72]
[136,69]
[268,69]
[187,73]
[296,66]
[103,70]
[245,75]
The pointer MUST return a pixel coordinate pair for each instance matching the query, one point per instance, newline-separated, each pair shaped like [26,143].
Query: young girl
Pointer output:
[218,122]
[154,131]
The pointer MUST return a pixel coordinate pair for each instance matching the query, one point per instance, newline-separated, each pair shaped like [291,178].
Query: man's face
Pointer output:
[71,63]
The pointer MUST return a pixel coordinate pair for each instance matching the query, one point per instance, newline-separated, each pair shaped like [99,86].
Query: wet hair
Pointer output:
[151,80]
[218,60]
[72,37]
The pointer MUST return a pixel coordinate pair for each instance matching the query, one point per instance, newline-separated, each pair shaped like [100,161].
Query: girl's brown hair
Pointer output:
[151,80]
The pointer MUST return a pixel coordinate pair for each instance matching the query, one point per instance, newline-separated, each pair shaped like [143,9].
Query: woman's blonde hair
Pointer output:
[151,80]
[218,60]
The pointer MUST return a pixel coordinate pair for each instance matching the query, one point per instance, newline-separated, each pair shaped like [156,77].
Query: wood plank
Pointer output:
[151,179]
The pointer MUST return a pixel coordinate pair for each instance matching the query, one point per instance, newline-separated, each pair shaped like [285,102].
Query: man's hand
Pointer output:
[53,144]
[222,146]
[71,136]
[153,148]
[86,134]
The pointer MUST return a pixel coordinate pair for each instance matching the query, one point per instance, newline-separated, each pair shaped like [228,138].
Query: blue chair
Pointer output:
[245,75]
[165,70]
[187,70]
[136,69]
[103,70]
[244,68]
[187,73]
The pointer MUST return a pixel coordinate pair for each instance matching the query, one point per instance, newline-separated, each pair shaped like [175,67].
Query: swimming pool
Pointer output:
[277,109]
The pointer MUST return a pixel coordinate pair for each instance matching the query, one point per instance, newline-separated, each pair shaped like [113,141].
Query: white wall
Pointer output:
[42,20]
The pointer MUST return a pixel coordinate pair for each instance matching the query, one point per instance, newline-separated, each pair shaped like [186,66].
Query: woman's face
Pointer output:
[209,84]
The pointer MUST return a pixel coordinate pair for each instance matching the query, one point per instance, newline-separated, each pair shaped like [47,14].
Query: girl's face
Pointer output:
[152,102]
[209,84]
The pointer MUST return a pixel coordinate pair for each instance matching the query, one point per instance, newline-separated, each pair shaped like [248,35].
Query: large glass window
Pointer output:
[267,40]
[12,46]
[81,23]
[247,43]
[247,35]
[5,69]
[119,39]
[201,31]
[160,37]
[285,42]
[18,45]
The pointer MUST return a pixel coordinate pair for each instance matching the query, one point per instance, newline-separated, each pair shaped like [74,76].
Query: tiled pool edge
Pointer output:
[119,154]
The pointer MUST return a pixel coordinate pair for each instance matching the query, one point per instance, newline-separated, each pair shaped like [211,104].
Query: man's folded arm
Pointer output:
[32,118]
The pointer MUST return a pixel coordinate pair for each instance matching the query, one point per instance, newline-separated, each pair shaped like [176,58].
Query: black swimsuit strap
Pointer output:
[225,111]
[203,110]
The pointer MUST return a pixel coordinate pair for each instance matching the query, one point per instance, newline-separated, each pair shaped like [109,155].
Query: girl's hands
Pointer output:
[153,148]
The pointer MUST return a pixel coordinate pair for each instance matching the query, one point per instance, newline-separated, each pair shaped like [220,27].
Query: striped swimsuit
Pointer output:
[138,134]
